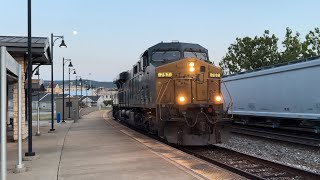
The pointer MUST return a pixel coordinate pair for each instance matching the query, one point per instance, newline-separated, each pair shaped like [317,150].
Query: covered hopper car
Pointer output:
[285,95]
[173,91]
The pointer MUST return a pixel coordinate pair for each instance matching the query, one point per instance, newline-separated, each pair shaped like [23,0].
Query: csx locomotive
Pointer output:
[173,91]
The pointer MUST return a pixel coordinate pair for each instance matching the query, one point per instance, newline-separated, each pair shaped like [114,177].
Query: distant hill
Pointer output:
[85,81]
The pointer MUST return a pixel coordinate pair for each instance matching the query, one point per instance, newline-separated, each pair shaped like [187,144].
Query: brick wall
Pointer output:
[15,104]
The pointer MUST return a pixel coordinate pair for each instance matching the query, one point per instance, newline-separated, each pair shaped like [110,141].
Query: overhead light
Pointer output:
[70,64]
[63,45]
[37,73]
[74,72]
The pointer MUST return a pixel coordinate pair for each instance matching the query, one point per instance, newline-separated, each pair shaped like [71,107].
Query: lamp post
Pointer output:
[62,45]
[77,84]
[86,86]
[90,84]
[63,105]
[29,91]
[81,85]
[69,104]
[38,133]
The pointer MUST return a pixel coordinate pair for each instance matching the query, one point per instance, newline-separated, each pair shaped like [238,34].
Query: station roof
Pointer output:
[47,97]
[93,98]
[18,45]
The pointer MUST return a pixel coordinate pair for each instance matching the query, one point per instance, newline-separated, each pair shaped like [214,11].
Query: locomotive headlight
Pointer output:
[191,65]
[218,99]
[191,69]
[182,99]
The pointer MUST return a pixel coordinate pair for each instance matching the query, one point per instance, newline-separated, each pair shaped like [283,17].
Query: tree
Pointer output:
[292,45]
[250,53]
[108,102]
[311,46]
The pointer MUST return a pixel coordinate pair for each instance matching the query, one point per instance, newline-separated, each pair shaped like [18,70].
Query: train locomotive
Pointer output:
[173,91]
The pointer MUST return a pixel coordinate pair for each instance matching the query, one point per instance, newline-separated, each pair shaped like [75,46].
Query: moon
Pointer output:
[75,32]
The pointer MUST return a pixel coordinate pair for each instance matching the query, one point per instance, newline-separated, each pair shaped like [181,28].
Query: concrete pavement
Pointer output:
[97,148]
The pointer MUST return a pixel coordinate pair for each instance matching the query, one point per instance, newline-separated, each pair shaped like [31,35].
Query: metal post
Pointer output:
[3,106]
[87,95]
[76,86]
[38,133]
[90,81]
[81,86]
[52,103]
[30,152]
[63,105]
[69,95]
[20,167]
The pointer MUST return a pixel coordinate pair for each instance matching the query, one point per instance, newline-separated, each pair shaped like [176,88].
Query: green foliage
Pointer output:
[292,45]
[108,102]
[311,46]
[250,53]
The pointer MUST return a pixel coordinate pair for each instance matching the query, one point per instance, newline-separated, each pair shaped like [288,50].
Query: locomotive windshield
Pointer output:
[165,55]
[199,55]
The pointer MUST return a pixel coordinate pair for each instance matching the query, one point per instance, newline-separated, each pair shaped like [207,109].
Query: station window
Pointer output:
[135,69]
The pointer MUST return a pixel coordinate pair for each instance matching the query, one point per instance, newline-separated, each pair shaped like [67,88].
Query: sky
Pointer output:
[111,35]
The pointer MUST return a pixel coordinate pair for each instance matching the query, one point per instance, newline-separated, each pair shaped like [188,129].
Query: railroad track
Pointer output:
[246,165]
[293,137]
[242,164]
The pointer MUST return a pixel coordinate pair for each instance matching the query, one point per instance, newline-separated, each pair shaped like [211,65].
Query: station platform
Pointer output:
[97,147]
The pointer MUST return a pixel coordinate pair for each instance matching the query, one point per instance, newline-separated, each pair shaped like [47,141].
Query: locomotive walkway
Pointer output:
[97,147]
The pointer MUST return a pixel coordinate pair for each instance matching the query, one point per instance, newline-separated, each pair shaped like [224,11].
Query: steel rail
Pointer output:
[297,137]
[239,163]
[248,166]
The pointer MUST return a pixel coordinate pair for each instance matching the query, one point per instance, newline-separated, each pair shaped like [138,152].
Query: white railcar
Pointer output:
[290,91]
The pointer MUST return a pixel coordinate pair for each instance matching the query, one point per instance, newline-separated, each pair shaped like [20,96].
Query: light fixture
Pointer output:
[181,99]
[63,45]
[74,72]
[218,98]
[37,73]
[70,64]
[191,64]
[191,69]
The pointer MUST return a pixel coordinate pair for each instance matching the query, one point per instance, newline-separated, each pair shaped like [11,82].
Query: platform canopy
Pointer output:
[11,66]
[18,46]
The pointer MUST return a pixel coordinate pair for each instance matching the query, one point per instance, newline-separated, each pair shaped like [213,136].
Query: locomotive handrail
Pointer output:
[182,78]
[161,98]
[163,90]
[231,100]
[159,92]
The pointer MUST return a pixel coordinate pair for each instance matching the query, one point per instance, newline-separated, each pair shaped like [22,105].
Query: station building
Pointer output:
[17,47]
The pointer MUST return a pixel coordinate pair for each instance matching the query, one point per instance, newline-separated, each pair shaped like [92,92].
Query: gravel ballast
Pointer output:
[296,155]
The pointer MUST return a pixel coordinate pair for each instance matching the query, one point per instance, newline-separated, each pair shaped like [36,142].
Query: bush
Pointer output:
[108,102]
